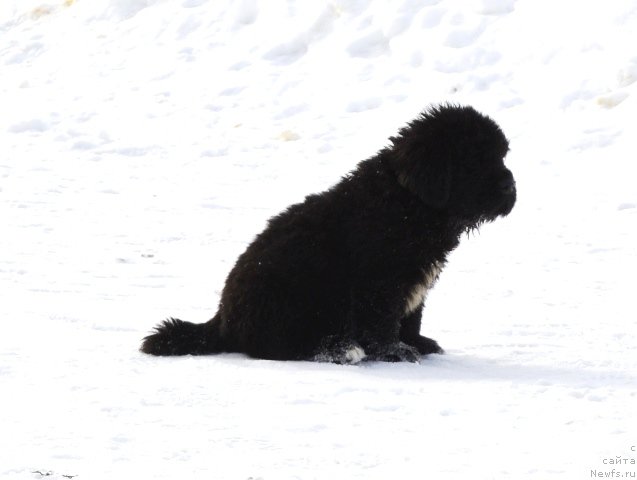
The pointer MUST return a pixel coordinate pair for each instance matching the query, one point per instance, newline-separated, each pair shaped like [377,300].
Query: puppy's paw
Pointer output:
[394,352]
[340,351]
[426,345]
[354,354]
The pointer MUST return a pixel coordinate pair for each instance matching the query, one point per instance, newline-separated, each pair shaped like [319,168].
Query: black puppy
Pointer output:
[343,275]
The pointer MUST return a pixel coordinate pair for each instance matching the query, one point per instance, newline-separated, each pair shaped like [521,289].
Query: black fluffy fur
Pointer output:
[340,272]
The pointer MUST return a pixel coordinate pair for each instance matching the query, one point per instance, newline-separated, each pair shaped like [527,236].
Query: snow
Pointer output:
[143,143]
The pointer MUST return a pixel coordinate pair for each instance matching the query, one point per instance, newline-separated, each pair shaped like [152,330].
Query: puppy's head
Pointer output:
[452,157]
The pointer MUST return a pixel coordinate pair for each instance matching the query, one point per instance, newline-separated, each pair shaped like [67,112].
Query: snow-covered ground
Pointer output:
[143,143]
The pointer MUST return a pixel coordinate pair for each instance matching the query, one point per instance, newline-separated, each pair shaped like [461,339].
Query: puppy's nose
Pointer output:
[507,185]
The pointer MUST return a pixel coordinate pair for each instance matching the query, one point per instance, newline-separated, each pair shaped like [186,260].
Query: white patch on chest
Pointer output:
[418,293]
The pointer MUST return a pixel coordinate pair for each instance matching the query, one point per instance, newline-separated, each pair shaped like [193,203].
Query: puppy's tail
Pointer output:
[176,337]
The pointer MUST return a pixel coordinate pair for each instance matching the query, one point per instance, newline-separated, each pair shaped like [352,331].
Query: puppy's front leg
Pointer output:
[375,323]
[410,334]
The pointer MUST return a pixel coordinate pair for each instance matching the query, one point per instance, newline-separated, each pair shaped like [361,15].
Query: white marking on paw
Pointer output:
[418,293]
[355,355]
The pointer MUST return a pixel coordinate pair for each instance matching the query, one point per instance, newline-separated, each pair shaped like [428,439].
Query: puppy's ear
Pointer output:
[425,173]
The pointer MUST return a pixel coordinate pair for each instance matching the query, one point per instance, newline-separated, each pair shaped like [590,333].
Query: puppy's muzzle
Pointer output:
[507,185]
